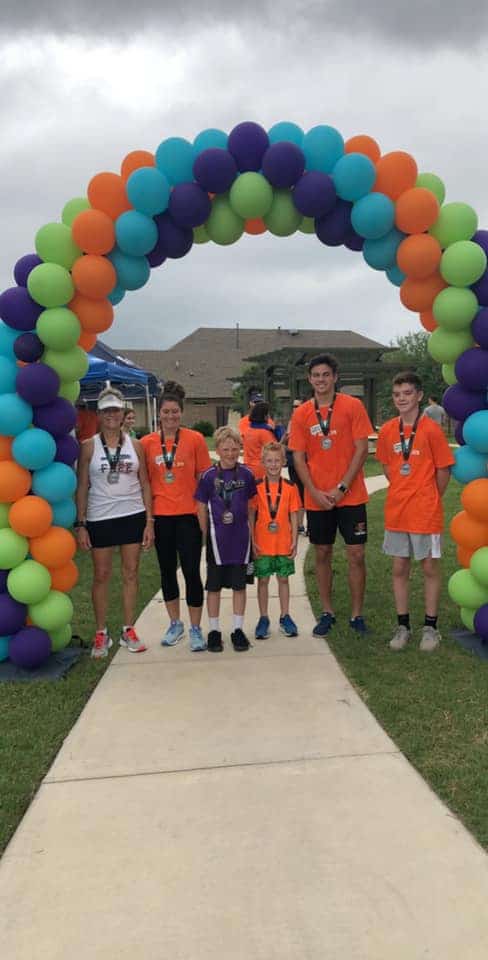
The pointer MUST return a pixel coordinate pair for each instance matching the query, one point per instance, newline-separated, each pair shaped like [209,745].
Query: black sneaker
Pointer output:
[239,640]
[358,624]
[323,625]
[214,643]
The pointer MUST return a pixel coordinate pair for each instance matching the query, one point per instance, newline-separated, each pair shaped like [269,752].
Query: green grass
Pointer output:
[435,707]
[37,716]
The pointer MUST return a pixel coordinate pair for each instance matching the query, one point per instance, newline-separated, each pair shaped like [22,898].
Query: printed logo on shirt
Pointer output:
[124,465]
[316,430]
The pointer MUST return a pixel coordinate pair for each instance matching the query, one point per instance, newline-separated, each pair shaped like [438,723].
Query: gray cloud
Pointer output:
[421,23]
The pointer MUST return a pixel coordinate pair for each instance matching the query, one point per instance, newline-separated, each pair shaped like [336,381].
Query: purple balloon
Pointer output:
[480,289]
[481,622]
[479,328]
[175,241]
[24,266]
[67,449]
[18,309]
[58,417]
[215,170]
[481,238]
[458,433]
[189,205]
[314,194]
[248,143]
[12,615]
[460,403]
[471,369]
[157,256]
[29,647]
[38,384]
[353,241]
[3,580]
[283,164]
[28,347]
[336,225]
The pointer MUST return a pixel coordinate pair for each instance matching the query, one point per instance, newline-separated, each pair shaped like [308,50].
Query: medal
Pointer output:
[169,478]
[227,517]
[113,462]
[406,446]
[112,477]
[169,458]
[225,489]
[273,527]
[326,443]
[405,469]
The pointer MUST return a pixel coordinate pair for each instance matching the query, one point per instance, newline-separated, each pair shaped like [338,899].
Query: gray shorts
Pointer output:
[416,545]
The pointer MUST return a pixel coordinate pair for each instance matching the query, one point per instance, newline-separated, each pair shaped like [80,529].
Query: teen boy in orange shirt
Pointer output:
[416,459]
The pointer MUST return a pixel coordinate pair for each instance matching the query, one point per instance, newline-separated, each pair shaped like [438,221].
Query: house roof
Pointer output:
[206,361]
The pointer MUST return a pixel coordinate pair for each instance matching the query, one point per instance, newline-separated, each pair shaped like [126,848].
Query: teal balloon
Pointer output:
[15,415]
[464,590]
[322,146]
[475,431]
[286,130]
[34,448]
[55,482]
[469,465]
[8,374]
[395,276]
[479,566]
[136,234]
[455,308]
[148,191]
[463,263]
[211,139]
[53,612]
[116,295]
[132,272]
[8,337]
[4,642]
[64,513]
[446,346]
[30,582]
[353,176]
[373,216]
[174,157]
[381,254]
[13,548]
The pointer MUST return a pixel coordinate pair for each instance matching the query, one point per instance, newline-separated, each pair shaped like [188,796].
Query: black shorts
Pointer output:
[351,521]
[232,576]
[117,532]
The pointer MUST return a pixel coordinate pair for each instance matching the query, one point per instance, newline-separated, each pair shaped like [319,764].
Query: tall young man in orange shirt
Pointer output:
[416,459]
[329,439]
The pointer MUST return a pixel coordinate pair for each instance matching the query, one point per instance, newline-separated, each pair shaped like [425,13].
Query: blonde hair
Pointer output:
[273,447]
[226,433]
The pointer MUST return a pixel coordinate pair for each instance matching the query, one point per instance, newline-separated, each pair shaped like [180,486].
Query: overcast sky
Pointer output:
[84,83]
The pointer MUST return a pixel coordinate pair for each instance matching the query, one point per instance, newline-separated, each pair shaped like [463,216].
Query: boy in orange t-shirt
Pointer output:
[416,459]
[273,517]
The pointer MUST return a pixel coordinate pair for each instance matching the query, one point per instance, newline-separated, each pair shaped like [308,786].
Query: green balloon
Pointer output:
[223,225]
[463,263]
[72,208]
[54,244]
[467,617]
[200,234]
[58,328]
[69,364]
[13,548]
[69,390]
[449,374]
[251,195]
[456,221]
[60,638]
[283,218]
[455,308]
[4,511]
[464,590]
[479,566]
[445,346]
[52,613]
[30,582]
[433,183]
[307,225]
[50,285]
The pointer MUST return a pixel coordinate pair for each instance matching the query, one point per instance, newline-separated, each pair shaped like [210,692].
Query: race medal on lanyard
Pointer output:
[113,475]
[169,458]
[273,525]
[406,446]
[225,489]
[326,441]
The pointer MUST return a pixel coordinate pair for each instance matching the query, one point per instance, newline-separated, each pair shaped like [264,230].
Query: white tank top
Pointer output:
[122,499]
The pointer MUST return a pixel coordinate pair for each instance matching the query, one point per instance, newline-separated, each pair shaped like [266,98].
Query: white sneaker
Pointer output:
[400,638]
[431,639]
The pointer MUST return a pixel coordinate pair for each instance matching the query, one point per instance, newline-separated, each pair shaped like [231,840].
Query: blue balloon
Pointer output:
[55,482]
[8,337]
[64,513]
[117,294]
[208,140]
[381,254]
[469,465]
[395,276]
[174,157]
[286,130]
[148,190]
[132,272]
[353,176]
[34,448]
[322,147]
[475,431]
[136,233]
[4,642]
[15,415]
[373,216]
[8,374]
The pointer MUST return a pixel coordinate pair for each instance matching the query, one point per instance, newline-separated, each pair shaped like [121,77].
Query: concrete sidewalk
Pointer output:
[238,806]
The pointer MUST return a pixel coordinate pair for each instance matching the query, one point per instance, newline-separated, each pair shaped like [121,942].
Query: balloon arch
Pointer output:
[155,209]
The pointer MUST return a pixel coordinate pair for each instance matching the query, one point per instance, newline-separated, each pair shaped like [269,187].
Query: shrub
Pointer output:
[204,427]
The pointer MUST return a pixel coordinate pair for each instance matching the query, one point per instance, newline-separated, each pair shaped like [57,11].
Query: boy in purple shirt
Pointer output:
[223,495]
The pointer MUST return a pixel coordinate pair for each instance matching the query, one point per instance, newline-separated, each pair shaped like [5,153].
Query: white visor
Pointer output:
[110,400]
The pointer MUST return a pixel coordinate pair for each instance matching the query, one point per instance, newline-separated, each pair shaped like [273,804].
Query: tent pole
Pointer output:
[148,403]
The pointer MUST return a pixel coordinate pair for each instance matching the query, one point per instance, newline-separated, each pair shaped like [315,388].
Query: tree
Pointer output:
[412,354]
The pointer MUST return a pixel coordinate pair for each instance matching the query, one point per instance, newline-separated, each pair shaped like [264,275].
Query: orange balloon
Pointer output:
[416,210]
[94,276]
[87,341]
[106,192]
[54,549]
[31,516]
[15,481]
[255,226]
[95,316]
[6,448]
[468,532]
[363,144]
[474,498]
[419,295]
[418,256]
[64,578]
[464,555]
[428,322]
[134,160]
[395,173]
[93,232]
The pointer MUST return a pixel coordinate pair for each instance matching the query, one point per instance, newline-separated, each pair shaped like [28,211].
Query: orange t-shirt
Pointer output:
[413,503]
[275,544]
[192,458]
[244,423]
[349,423]
[254,439]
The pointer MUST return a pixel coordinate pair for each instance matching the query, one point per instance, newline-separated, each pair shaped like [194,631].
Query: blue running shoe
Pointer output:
[262,629]
[323,625]
[288,626]
[358,624]
[174,633]
[197,640]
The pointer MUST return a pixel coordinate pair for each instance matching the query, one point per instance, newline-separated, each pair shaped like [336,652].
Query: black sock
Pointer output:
[430,622]
[404,620]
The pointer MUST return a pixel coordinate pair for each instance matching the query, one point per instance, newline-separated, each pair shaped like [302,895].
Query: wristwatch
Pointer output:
[79,523]
[342,487]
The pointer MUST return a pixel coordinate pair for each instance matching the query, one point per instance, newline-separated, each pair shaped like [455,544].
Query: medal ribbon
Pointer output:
[407,445]
[168,457]
[324,426]
[273,508]
[226,488]
[113,462]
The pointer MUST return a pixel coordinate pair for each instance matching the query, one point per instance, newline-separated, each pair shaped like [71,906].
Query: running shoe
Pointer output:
[197,640]
[101,645]
[262,629]
[174,633]
[400,638]
[324,624]
[239,640]
[358,624]
[288,626]
[431,639]
[128,638]
[214,643]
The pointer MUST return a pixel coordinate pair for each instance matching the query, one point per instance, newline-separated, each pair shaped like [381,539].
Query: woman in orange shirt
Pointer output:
[259,432]
[175,458]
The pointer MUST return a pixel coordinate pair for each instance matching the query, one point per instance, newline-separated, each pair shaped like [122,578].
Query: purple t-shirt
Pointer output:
[228,491]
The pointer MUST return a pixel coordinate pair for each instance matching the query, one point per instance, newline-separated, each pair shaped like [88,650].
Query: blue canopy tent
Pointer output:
[106,367]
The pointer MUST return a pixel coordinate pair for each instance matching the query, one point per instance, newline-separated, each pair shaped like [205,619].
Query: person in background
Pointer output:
[258,434]
[436,412]
[129,422]
[176,457]
[86,421]
[254,396]
[113,510]
[293,475]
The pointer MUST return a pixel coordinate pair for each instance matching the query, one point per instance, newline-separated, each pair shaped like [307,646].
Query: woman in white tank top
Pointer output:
[114,505]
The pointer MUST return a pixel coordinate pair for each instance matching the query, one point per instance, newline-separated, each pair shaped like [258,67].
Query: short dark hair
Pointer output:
[259,412]
[433,397]
[327,358]
[408,376]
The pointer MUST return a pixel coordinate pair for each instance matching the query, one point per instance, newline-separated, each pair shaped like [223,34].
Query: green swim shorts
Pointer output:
[266,566]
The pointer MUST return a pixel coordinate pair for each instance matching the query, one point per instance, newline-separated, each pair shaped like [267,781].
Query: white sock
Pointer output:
[214,623]
[238,622]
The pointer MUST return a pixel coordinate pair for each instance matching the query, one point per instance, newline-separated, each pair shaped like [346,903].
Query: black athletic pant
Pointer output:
[179,537]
